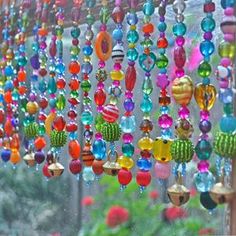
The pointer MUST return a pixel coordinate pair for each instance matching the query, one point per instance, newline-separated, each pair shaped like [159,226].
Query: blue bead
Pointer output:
[227,3]
[88,174]
[87,68]
[8,85]
[72,135]
[144,164]
[5,155]
[162,26]
[207,48]
[34,78]
[206,81]
[228,124]
[8,71]
[117,34]
[87,50]
[204,181]
[132,19]
[42,86]
[129,104]
[128,124]
[132,54]
[87,118]
[146,105]
[208,24]
[179,29]
[164,109]
[60,68]
[148,8]
[1,98]
[52,102]
[226,95]
[99,149]
[132,36]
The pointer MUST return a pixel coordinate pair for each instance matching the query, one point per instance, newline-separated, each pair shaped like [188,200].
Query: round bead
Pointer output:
[204,181]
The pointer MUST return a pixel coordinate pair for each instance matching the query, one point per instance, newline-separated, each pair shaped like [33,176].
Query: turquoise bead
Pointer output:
[203,149]
[208,24]
[228,124]
[86,118]
[99,149]
[128,124]
[52,87]
[148,8]
[88,174]
[75,32]
[22,61]
[227,3]
[207,48]
[52,102]
[60,68]
[42,86]
[179,29]
[146,105]
[162,26]
[132,54]
[204,181]
[132,36]
[128,149]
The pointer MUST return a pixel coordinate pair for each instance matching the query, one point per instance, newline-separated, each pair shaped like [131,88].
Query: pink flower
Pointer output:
[206,231]
[174,213]
[87,201]
[154,194]
[116,216]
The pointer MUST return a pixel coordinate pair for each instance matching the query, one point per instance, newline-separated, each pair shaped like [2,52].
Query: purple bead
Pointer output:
[127,138]
[117,66]
[39,157]
[207,36]
[180,41]
[75,14]
[179,72]
[205,126]
[204,115]
[203,166]
[99,109]
[133,3]
[165,121]
[34,60]
[43,45]
[162,81]
[183,112]
[32,96]
[129,105]
[98,136]
[103,27]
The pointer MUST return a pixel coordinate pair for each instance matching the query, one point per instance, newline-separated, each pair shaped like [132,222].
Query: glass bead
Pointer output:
[128,124]
[75,32]
[162,61]
[147,86]
[132,36]
[117,34]
[87,68]
[127,138]
[87,50]
[126,162]
[228,108]
[74,50]
[162,26]
[203,166]
[146,105]
[41,130]
[88,174]
[179,7]
[204,181]
[205,126]
[207,48]
[165,121]
[203,149]
[52,102]
[22,61]
[179,29]
[227,3]
[226,95]
[86,118]
[128,149]
[61,102]
[148,8]
[86,85]
[129,105]
[144,164]
[147,62]
[132,54]
[104,15]
[145,143]
[208,24]
[99,149]
[227,49]
[99,121]
[60,68]
[228,124]
[132,18]
[204,69]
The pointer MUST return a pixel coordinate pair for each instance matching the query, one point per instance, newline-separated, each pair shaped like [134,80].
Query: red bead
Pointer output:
[124,177]
[74,149]
[59,123]
[130,78]
[8,128]
[43,102]
[42,117]
[143,178]
[72,127]
[162,43]
[72,114]
[75,42]
[73,101]
[75,166]
[179,56]
[209,7]
[15,82]
[2,116]
[74,67]
[110,113]
[61,83]
[45,171]
[118,14]
[145,154]
[74,84]
[42,72]
[100,97]
[97,167]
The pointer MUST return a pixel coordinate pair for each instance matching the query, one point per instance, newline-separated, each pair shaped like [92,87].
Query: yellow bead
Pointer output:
[32,108]
[125,162]
[145,143]
[132,27]
[161,149]
[117,75]
[131,45]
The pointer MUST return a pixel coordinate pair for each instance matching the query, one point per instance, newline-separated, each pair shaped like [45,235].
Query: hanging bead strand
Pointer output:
[205,96]
[58,135]
[103,40]
[87,116]
[161,147]
[75,165]
[182,149]
[128,123]
[147,62]
[110,129]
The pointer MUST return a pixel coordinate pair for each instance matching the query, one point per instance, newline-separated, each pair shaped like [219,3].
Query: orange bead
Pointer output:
[15,142]
[8,97]
[74,67]
[40,143]
[22,76]
[43,32]
[8,128]
[74,149]
[97,167]
[148,28]
[22,90]
[15,157]
[147,51]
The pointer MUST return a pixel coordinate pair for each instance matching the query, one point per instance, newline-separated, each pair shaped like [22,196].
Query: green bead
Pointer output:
[31,130]
[111,132]
[52,86]
[204,69]
[75,32]
[58,138]
[59,30]
[15,95]
[22,61]
[90,19]
[132,36]
[99,121]
[85,85]
[225,145]
[128,149]
[61,102]
[113,100]
[146,19]
[147,43]
[104,15]
[132,54]
[182,150]
[87,118]
[23,104]
[87,100]
[147,86]
[41,130]
[228,108]
[203,149]
[74,50]
[74,94]
[227,49]
[162,61]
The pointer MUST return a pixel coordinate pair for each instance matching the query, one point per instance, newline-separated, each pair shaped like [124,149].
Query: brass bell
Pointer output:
[29,159]
[111,167]
[221,194]
[56,169]
[178,193]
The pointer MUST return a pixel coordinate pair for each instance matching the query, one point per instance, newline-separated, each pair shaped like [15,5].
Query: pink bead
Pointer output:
[99,109]
[127,138]
[229,11]
[179,56]
[183,112]
[117,66]
[203,166]
[225,62]
[180,40]
[98,136]
[116,83]
[103,27]
[162,170]
[229,37]
[100,85]
[118,2]
[224,84]
[101,64]
[204,136]
[209,7]
[204,115]
[162,81]
[129,94]
[165,121]
[179,72]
